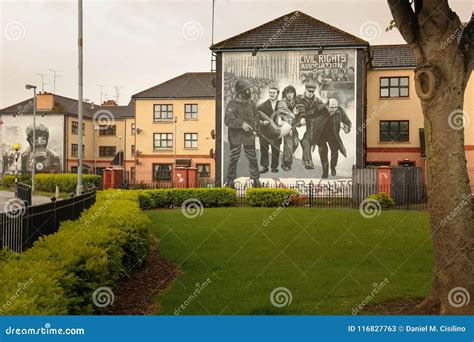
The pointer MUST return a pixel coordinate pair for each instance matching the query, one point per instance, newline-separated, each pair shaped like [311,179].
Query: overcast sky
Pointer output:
[138,44]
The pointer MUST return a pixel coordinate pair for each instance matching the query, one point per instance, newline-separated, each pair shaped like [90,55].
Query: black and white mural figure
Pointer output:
[269,147]
[44,159]
[287,109]
[326,125]
[49,144]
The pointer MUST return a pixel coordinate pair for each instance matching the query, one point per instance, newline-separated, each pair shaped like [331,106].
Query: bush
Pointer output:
[262,197]
[165,198]
[386,202]
[47,182]
[61,271]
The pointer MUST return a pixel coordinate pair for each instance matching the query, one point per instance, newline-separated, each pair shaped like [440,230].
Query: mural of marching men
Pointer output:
[316,103]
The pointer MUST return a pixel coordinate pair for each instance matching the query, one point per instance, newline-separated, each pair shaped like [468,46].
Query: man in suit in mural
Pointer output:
[242,119]
[325,129]
[45,159]
[267,139]
[311,104]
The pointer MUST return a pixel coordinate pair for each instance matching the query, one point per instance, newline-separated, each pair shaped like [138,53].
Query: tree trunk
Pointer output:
[440,77]
[441,83]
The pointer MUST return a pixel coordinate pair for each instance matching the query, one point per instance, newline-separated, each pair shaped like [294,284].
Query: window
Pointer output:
[107,130]
[75,150]
[107,151]
[163,112]
[74,169]
[162,140]
[203,170]
[133,150]
[190,112]
[394,130]
[190,140]
[162,172]
[394,87]
[134,129]
[75,128]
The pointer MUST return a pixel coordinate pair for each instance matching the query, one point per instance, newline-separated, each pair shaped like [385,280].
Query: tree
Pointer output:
[443,49]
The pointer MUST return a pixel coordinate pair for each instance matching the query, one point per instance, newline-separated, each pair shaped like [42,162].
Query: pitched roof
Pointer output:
[293,30]
[392,56]
[188,85]
[66,105]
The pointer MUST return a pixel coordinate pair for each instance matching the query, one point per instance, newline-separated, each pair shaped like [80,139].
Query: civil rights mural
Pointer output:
[49,151]
[288,117]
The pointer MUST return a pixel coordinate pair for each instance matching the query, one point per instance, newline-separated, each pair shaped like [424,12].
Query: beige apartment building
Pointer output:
[174,125]
[394,118]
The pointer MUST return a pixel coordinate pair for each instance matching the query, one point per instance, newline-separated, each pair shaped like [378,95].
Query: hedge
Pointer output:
[262,197]
[47,181]
[166,198]
[59,274]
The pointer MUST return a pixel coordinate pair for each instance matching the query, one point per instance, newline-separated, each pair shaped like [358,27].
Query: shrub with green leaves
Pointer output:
[386,202]
[165,198]
[61,271]
[47,181]
[264,197]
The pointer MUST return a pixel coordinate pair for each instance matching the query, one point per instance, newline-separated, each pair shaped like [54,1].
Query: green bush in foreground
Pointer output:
[209,197]
[386,202]
[60,273]
[47,181]
[262,197]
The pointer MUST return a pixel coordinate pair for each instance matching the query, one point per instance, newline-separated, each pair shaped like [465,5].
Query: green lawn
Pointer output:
[329,259]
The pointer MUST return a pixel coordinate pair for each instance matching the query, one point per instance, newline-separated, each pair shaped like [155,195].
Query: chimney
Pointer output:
[110,103]
[44,102]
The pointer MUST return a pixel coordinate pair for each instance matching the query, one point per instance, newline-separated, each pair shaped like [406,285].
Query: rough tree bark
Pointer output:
[444,55]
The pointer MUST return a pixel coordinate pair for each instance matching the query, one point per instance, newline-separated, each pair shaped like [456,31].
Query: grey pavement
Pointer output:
[6,196]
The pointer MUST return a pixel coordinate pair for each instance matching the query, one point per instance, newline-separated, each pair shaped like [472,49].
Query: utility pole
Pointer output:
[80,104]
[55,75]
[101,86]
[42,81]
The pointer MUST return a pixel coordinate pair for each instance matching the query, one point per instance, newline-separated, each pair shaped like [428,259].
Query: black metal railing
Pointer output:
[23,192]
[23,224]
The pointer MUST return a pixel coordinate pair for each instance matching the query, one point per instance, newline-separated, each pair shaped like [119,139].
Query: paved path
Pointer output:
[5,196]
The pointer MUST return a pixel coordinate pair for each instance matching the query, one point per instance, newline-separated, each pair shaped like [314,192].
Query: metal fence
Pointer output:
[414,197]
[23,224]
[23,192]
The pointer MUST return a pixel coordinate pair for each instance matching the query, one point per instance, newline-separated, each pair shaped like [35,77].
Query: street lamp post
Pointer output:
[33,168]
